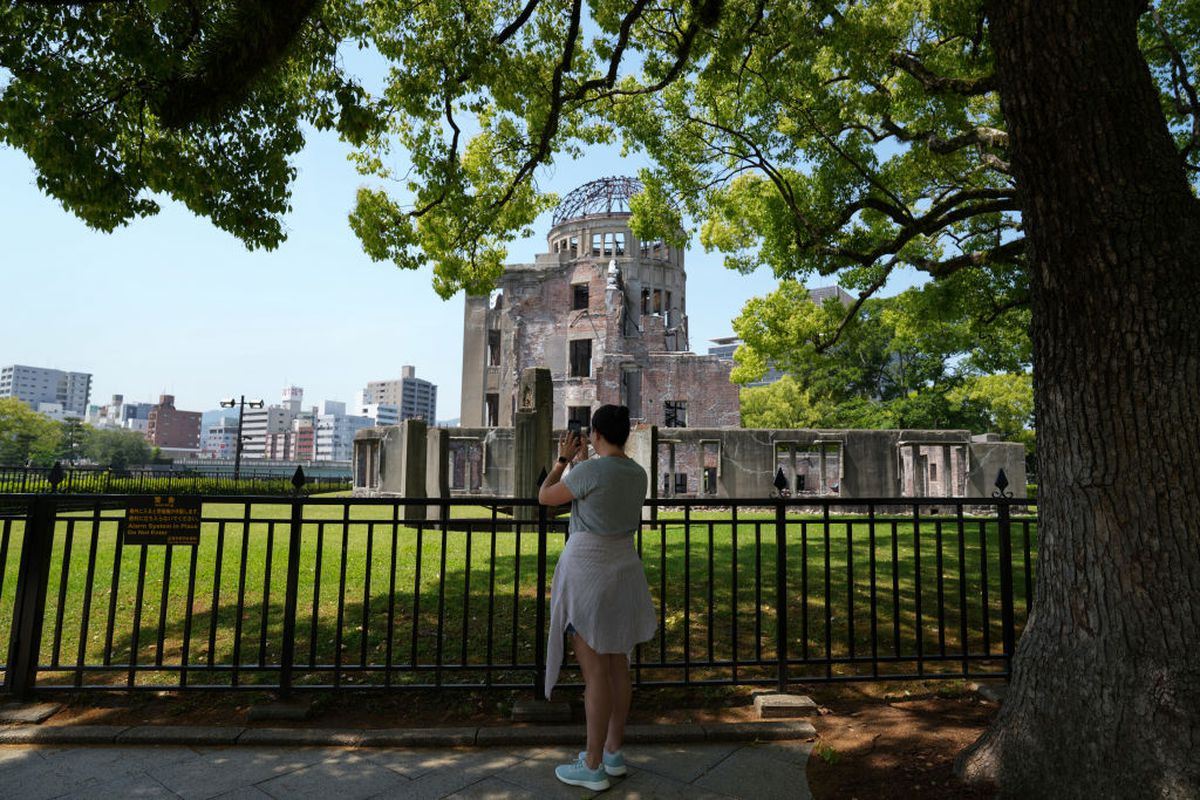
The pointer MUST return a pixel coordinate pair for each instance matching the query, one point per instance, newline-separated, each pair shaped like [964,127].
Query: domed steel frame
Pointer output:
[603,196]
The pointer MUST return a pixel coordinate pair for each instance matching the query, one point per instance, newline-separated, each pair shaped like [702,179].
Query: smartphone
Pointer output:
[574,427]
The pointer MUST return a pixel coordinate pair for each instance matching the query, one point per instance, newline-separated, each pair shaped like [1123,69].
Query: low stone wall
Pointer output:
[704,462]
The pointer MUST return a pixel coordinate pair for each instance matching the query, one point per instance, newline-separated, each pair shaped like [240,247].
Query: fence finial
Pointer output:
[780,483]
[298,478]
[1001,485]
[56,475]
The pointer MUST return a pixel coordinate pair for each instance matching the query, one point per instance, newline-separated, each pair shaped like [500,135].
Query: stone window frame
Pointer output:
[801,445]
[483,459]
[578,296]
[671,413]
[495,350]
[964,476]
[573,360]
[703,466]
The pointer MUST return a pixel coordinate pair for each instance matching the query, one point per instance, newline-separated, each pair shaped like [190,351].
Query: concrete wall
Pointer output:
[857,463]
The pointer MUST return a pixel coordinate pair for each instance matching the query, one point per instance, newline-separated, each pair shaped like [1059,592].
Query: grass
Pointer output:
[397,609]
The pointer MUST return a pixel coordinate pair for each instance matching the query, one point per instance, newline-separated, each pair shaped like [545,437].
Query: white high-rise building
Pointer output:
[414,397]
[258,422]
[37,385]
[335,434]
[381,413]
[293,398]
[220,440]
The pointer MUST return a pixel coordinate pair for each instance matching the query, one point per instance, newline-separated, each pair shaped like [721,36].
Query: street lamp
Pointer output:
[241,403]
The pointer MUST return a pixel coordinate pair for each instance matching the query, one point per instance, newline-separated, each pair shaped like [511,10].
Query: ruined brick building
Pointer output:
[606,313]
[601,318]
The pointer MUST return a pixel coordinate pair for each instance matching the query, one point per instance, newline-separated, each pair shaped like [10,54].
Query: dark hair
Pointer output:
[612,422]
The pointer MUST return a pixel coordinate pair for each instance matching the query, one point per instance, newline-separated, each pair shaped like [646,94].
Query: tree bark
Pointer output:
[1105,693]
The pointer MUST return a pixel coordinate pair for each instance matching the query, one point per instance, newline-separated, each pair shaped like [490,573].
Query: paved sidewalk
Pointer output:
[693,770]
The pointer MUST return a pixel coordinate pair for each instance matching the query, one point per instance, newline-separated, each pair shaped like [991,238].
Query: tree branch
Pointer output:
[1181,84]
[453,157]
[1005,252]
[983,136]
[514,26]
[852,311]
[939,83]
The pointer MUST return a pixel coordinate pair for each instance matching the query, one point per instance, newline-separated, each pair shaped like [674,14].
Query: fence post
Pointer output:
[539,671]
[287,657]
[1004,512]
[781,600]
[33,577]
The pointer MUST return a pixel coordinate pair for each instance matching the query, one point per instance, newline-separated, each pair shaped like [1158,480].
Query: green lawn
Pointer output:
[447,623]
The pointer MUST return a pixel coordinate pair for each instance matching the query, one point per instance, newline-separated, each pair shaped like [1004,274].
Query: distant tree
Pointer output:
[26,437]
[901,362]
[782,404]
[74,439]
[118,448]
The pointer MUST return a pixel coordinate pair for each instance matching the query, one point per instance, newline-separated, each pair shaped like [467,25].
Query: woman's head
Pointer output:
[612,422]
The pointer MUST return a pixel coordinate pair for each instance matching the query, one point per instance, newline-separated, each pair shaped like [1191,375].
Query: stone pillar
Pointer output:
[532,435]
[642,447]
[437,472]
[412,458]
[947,475]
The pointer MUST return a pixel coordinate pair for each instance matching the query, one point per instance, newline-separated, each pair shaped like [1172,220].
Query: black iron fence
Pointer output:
[337,592]
[144,480]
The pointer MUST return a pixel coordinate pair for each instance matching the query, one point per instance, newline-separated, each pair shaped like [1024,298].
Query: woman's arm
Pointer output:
[553,491]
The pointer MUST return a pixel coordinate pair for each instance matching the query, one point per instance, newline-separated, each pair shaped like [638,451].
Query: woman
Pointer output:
[599,594]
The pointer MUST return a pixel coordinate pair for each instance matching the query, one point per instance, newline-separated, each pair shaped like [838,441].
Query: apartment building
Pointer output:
[37,385]
[170,428]
[413,397]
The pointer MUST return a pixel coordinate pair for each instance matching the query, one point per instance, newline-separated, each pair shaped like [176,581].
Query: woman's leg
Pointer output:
[622,695]
[597,697]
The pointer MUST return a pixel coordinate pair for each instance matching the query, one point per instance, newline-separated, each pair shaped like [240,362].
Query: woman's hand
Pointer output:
[568,445]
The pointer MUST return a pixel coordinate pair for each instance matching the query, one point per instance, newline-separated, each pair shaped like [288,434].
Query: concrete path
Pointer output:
[693,770]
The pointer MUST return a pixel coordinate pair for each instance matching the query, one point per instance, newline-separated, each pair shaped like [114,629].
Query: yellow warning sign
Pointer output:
[163,520]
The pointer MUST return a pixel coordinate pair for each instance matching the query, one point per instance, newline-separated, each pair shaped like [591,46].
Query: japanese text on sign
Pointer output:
[163,520]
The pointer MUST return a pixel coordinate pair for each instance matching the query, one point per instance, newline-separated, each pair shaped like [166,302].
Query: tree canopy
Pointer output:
[116,102]
[910,361]
[812,137]
[27,437]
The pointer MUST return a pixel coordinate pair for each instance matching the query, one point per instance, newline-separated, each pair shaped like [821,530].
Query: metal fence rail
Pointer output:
[104,480]
[335,592]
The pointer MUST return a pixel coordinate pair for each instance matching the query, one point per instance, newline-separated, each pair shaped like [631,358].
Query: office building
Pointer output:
[413,397]
[170,428]
[35,385]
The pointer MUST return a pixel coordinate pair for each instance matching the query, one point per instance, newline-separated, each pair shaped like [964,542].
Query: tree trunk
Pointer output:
[1105,693]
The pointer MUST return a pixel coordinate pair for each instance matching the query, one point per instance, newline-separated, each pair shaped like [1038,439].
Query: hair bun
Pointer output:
[622,412]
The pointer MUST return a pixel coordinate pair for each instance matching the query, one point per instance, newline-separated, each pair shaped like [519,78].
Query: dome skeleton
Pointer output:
[603,196]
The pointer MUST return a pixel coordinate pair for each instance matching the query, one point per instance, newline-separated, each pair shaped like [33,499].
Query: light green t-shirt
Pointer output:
[608,492]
